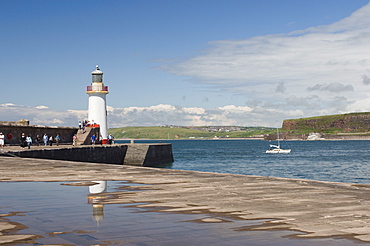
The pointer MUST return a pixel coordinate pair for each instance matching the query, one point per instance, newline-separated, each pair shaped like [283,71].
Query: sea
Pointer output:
[336,161]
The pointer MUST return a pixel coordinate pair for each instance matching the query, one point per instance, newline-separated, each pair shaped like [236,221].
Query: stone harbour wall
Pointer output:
[13,132]
[149,155]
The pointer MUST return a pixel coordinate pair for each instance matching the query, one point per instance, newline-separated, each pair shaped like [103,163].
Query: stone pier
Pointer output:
[151,155]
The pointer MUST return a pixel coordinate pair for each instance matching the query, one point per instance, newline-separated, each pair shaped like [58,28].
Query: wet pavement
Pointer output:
[148,206]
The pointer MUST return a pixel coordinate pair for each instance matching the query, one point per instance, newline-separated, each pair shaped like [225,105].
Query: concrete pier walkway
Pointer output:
[319,209]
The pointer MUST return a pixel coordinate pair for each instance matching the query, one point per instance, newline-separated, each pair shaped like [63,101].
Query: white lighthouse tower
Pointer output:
[97,103]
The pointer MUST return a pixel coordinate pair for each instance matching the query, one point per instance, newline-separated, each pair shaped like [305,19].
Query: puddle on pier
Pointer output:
[72,213]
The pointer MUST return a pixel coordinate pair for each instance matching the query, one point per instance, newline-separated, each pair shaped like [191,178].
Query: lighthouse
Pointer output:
[97,103]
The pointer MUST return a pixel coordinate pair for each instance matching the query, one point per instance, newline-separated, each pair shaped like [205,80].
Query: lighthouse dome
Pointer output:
[97,71]
[97,75]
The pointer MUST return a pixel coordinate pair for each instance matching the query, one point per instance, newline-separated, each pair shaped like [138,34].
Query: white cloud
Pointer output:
[164,114]
[365,79]
[41,107]
[194,111]
[358,106]
[313,64]
[235,109]
[280,87]
[161,114]
[7,105]
[41,116]
[332,87]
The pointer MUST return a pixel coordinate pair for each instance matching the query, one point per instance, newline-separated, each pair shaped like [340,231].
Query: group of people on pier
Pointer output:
[85,123]
[94,139]
[46,140]
[27,140]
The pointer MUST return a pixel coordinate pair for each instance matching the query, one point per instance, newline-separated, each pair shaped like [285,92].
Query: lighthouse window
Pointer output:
[97,78]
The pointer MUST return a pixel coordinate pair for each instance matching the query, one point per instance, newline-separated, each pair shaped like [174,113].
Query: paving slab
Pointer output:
[315,208]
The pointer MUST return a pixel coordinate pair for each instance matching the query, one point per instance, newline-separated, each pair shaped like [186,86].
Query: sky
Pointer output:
[184,62]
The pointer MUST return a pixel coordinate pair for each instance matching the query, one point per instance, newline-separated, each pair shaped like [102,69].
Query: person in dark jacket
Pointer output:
[22,141]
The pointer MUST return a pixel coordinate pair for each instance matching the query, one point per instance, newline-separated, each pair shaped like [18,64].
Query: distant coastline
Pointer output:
[331,138]
[151,139]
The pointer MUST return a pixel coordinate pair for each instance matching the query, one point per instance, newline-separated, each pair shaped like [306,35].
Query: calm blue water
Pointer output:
[338,161]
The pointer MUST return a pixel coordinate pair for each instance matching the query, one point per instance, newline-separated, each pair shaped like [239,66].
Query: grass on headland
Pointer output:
[157,132]
[354,123]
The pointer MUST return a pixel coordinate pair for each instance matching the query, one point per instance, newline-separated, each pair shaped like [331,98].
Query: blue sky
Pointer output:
[193,62]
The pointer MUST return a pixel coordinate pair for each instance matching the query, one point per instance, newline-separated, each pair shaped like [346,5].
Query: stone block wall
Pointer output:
[65,133]
[149,155]
[158,155]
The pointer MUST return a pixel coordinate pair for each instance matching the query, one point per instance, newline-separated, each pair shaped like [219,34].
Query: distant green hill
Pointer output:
[157,132]
[330,124]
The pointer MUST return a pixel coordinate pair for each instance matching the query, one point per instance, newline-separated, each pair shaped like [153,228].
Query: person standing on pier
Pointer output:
[22,141]
[45,138]
[93,139]
[74,140]
[29,141]
[110,139]
[57,139]
[83,126]
[37,140]
[51,140]
[2,140]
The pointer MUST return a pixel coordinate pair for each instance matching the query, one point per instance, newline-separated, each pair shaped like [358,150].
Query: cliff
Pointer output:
[333,124]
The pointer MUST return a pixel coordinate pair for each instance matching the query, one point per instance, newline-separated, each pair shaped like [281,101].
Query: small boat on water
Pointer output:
[275,149]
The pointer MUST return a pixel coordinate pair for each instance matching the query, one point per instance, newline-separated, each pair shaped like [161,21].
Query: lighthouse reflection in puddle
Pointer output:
[97,194]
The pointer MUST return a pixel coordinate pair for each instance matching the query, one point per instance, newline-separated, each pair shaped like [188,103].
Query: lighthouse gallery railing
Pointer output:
[96,88]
